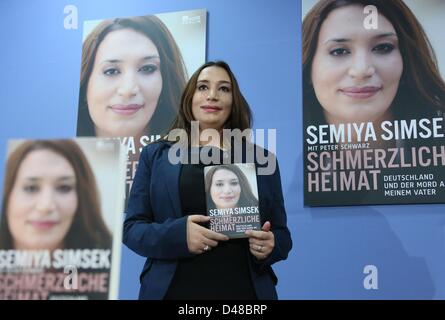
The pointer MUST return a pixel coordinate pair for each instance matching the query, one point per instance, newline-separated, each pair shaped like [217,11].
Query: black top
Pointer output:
[221,273]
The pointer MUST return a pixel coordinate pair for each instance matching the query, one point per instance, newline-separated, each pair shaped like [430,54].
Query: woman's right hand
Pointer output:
[199,238]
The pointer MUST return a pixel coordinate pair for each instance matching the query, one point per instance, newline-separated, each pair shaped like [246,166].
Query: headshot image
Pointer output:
[50,199]
[132,76]
[357,74]
[228,187]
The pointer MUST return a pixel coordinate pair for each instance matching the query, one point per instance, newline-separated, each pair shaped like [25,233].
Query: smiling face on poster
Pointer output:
[125,84]
[356,80]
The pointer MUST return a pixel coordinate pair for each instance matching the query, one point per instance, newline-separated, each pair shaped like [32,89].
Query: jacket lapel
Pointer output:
[171,180]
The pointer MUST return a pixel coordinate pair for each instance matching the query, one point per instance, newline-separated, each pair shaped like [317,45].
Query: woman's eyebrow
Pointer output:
[377,36]
[111,61]
[38,178]
[384,35]
[67,178]
[337,40]
[219,82]
[152,57]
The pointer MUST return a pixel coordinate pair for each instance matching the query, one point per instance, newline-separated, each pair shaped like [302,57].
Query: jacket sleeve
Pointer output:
[166,240]
[283,240]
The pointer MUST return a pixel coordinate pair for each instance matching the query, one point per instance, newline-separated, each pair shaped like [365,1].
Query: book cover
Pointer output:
[232,198]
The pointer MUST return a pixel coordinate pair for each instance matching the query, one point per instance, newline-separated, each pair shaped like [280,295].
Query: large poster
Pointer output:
[373,106]
[61,219]
[132,76]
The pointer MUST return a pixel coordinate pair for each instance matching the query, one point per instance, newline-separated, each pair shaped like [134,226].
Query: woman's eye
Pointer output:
[31,188]
[383,48]
[339,52]
[225,89]
[234,183]
[111,71]
[219,184]
[148,69]
[64,188]
[202,87]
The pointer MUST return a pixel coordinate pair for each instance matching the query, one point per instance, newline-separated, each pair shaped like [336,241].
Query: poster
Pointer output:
[373,107]
[133,72]
[61,219]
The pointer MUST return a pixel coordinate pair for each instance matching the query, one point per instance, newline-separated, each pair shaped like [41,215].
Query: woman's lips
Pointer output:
[227,198]
[360,92]
[211,108]
[126,109]
[43,225]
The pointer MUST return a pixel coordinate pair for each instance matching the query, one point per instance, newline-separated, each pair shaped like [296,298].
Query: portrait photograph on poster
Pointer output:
[373,106]
[61,219]
[133,71]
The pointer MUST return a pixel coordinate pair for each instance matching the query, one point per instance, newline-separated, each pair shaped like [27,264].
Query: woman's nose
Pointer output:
[362,66]
[212,94]
[128,86]
[46,202]
[227,189]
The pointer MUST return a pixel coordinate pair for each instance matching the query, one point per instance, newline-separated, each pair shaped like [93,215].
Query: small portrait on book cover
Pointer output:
[230,186]
[232,199]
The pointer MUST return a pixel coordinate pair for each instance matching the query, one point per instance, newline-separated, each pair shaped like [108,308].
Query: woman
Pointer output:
[167,207]
[50,199]
[354,74]
[228,187]
[131,79]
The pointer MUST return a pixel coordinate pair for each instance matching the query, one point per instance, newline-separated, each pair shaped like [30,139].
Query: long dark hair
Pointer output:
[241,115]
[247,197]
[421,85]
[88,230]
[172,70]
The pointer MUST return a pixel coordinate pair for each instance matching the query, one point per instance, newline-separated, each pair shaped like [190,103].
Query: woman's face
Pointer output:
[212,100]
[43,201]
[125,84]
[225,189]
[356,71]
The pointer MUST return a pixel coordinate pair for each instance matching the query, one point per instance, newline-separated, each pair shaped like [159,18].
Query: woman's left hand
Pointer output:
[261,242]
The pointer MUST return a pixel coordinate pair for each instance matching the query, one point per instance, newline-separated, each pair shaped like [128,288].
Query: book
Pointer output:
[232,198]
